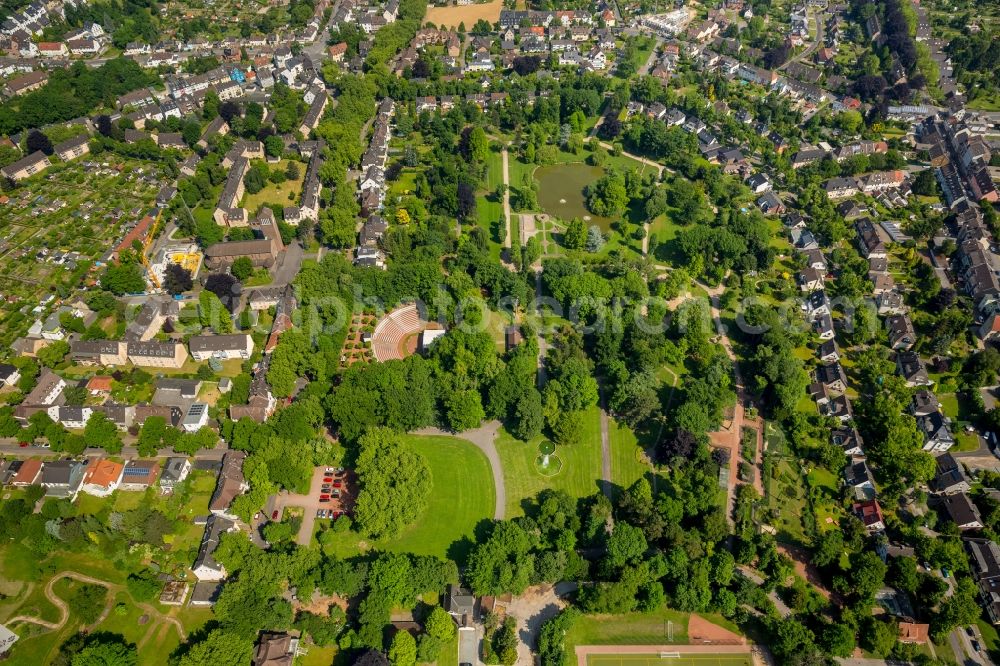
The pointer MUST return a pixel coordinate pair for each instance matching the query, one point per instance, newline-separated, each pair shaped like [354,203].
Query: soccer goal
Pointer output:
[670,655]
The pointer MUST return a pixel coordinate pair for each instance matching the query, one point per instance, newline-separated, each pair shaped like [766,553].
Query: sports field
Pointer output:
[673,660]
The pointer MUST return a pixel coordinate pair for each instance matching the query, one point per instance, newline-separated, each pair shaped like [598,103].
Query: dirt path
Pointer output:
[63,606]
[531,610]
[484,437]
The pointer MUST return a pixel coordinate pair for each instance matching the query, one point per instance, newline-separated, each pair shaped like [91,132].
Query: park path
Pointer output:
[506,198]
[484,438]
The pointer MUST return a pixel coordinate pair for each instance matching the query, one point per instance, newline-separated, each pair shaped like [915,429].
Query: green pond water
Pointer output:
[561,191]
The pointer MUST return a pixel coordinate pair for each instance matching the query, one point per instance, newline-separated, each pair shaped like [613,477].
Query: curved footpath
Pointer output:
[483,437]
[63,606]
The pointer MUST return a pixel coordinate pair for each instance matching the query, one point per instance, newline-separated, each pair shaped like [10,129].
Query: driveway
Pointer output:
[531,610]
[288,265]
[468,646]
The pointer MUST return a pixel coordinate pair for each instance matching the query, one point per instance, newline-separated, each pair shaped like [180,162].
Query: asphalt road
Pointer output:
[468,646]
[10,448]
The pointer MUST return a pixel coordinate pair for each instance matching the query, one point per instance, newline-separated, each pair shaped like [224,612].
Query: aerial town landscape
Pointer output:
[556,332]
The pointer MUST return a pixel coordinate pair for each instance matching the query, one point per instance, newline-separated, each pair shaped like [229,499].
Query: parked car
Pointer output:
[324,497]
[338,484]
[327,479]
[971,632]
[274,515]
[976,646]
[324,500]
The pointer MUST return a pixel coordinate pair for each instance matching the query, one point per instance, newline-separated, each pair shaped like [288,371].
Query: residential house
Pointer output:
[205,566]
[936,431]
[204,347]
[275,649]
[984,561]
[47,391]
[26,167]
[62,478]
[849,441]
[911,369]
[195,418]
[858,478]
[924,402]
[870,513]
[70,149]
[230,484]
[962,511]
[175,470]
[154,354]
[137,475]
[832,377]
[950,478]
[102,477]
[902,336]
[827,352]
[28,473]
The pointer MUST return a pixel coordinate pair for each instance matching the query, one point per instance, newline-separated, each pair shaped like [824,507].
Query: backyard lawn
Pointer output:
[277,193]
[578,474]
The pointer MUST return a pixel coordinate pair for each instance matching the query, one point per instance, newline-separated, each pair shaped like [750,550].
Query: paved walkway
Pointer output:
[484,437]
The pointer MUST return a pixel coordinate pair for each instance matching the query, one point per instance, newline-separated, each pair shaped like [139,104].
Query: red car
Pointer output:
[327,479]
[274,515]
[338,484]
[324,497]
[23,445]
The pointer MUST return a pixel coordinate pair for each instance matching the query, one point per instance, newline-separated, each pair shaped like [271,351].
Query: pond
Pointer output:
[561,191]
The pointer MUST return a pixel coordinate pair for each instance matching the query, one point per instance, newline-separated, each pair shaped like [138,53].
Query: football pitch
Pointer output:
[668,659]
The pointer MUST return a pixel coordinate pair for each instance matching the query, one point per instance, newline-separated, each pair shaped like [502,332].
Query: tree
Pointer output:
[124,278]
[625,545]
[242,268]
[479,145]
[608,196]
[292,170]
[439,624]
[528,415]
[37,141]
[403,649]
[273,145]
[177,279]
[395,484]
[105,649]
[575,237]
[213,314]
[371,658]
[101,432]
[218,647]
[151,435]
[53,353]
[568,429]
[878,637]
[595,239]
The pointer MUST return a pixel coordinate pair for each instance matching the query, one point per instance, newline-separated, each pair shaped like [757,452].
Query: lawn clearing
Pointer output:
[627,456]
[578,476]
[461,498]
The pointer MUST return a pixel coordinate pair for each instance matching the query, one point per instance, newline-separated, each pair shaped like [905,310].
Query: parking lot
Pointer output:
[322,496]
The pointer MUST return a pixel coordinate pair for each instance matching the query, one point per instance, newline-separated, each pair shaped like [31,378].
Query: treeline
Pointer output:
[126,20]
[73,92]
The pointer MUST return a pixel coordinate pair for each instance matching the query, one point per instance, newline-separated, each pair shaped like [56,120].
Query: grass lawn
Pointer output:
[632,629]
[462,497]
[277,194]
[578,476]
[786,501]
[626,455]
